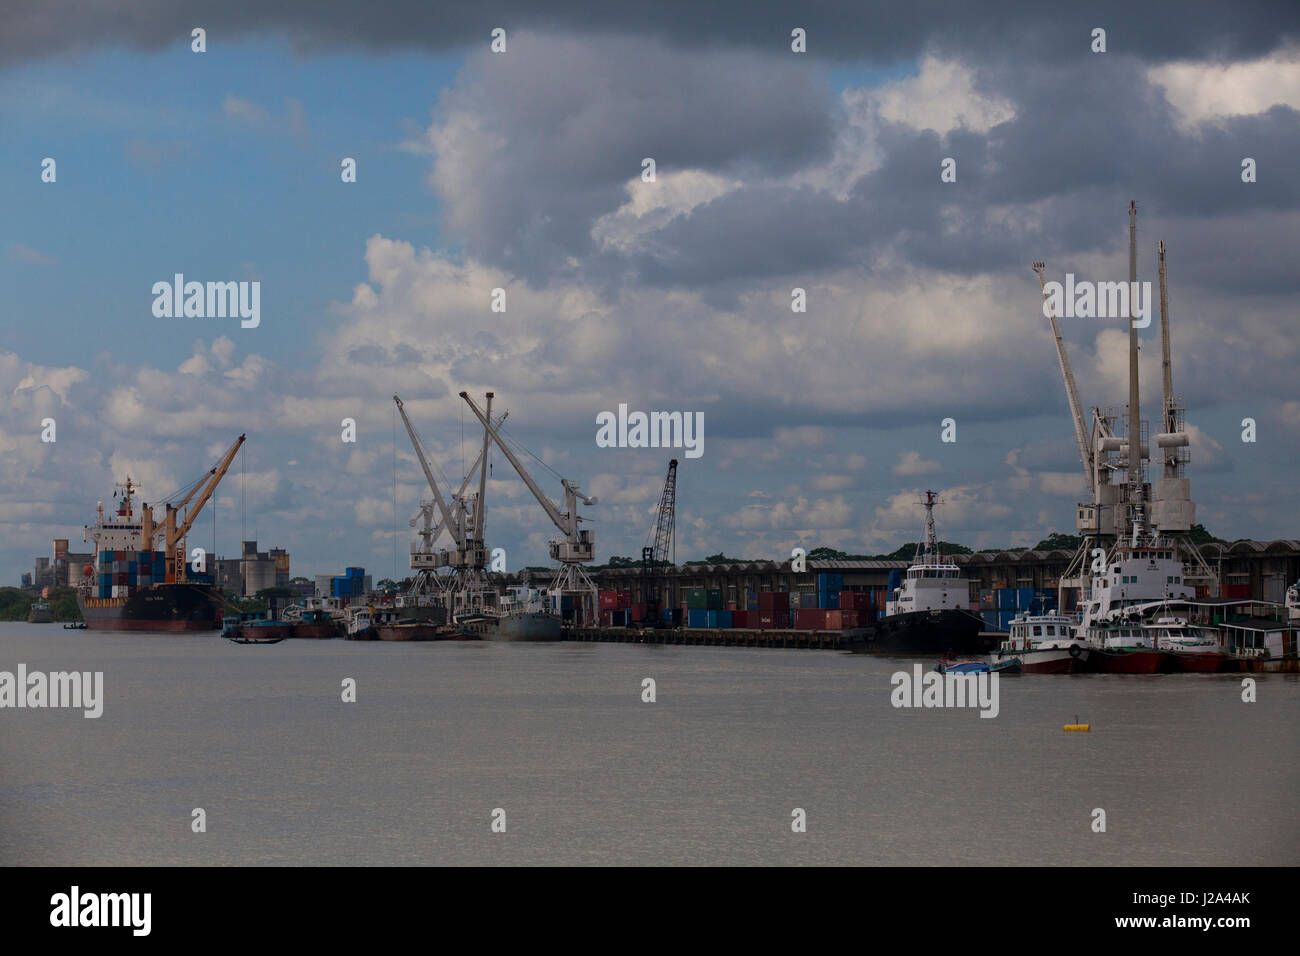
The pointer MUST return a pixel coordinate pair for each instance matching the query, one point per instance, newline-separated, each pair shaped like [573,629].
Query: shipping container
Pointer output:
[849,619]
[828,600]
[795,599]
[810,619]
[834,619]
[854,600]
[698,617]
[697,599]
[774,601]
[608,600]
[740,618]
[715,599]
[829,581]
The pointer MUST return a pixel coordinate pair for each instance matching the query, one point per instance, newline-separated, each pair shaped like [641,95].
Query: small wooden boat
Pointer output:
[241,639]
[952,665]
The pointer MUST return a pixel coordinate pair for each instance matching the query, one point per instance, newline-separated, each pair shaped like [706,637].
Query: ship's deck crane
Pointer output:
[1081,435]
[578,546]
[174,534]
[655,556]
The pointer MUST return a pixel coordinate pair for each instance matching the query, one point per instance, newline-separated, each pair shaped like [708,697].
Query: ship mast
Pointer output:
[931,545]
[1135,496]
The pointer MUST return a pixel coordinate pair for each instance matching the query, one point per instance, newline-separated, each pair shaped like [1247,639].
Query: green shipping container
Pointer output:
[697,599]
[715,599]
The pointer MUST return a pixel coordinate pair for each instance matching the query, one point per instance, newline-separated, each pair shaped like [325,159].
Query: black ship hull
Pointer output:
[929,632]
[164,607]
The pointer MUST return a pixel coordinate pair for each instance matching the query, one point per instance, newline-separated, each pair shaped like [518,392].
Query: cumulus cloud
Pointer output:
[911,463]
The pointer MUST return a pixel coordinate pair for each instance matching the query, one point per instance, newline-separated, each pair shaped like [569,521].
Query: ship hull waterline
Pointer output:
[928,632]
[170,608]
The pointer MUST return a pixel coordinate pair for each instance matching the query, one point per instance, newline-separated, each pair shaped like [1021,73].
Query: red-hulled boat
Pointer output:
[317,625]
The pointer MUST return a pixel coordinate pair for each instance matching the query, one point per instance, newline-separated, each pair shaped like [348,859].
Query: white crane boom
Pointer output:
[460,492]
[561,521]
[428,474]
[1081,432]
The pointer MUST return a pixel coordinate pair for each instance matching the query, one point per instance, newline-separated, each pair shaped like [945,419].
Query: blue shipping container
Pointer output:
[719,618]
[830,582]
[829,599]
[697,617]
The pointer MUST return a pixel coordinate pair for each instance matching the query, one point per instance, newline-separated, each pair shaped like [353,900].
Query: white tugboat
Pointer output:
[1135,576]
[1045,644]
[930,612]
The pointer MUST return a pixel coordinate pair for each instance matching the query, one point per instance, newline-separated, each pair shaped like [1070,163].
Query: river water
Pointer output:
[558,738]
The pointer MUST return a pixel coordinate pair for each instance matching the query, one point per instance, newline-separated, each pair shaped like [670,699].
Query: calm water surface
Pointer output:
[557,736]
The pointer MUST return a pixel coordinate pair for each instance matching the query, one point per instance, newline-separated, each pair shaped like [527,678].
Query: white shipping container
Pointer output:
[119,590]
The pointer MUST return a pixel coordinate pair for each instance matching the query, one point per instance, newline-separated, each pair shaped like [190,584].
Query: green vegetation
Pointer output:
[266,593]
[1199,535]
[15,603]
[1058,541]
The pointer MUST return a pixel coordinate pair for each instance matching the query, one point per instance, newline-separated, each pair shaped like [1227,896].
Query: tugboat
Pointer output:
[1044,644]
[40,613]
[1136,576]
[929,613]
[1192,648]
[360,626]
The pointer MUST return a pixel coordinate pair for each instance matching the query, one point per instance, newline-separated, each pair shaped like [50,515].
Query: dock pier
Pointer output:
[719,637]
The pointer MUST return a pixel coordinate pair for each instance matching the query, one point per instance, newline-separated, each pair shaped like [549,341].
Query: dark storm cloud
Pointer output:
[1084,136]
[528,156]
[884,31]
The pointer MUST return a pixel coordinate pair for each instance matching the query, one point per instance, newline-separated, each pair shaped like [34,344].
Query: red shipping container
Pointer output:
[773,601]
[848,619]
[740,619]
[638,612]
[608,600]
[624,600]
[810,619]
[834,619]
[854,600]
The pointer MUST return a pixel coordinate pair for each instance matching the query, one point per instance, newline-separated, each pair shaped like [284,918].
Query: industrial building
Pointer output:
[1259,570]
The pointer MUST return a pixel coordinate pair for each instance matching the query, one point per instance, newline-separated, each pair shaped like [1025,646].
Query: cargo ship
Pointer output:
[133,587]
[929,612]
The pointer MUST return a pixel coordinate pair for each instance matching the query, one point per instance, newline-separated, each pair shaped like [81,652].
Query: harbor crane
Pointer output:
[577,546]
[655,556]
[468,558]
[429,534]
[174,534]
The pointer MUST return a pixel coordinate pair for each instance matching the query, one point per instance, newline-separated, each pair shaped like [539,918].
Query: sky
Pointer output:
[522,170]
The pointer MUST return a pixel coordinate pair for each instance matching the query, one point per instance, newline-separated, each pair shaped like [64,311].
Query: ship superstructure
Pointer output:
[1125,506]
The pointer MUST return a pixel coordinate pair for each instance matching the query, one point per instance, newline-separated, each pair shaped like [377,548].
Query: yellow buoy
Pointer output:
[1085,728]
